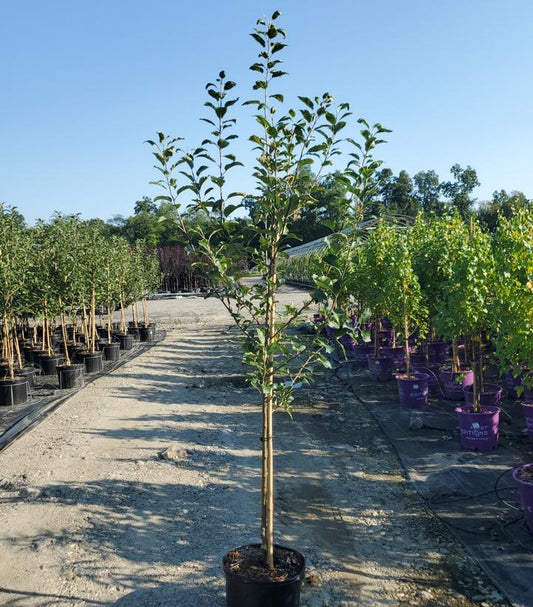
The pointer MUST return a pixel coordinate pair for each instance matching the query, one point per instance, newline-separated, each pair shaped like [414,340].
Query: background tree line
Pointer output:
[327,212]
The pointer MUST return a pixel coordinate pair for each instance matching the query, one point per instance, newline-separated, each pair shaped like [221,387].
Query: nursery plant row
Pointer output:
[437,302]
[60,283]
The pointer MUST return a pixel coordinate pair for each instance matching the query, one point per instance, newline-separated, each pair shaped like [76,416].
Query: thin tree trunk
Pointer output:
[93,321]
[456,365]
[65,337]
[109,321]
[122,316]
[268,407]
[145,312]
[376,337]
[406,345]
[17,350]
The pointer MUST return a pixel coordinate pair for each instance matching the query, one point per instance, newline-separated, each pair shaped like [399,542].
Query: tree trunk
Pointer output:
[267,522]
[93,321]
[122,316]
[65,337]
[145,312]
[406,345]
[456,364]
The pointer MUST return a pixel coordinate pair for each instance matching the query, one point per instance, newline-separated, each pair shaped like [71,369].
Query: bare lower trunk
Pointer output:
[65,337]
[122,316]
[267,493]
[145,313]
[109,320]
[17,350]
[456,364]
[134,315]
[93,321]
[406,345]
[376,337]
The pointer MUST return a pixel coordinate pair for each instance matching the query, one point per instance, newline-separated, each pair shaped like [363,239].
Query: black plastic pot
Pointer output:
[125,341]
[111,351]
[70,376]
[146,333]
[27,373]
[136,332]
[243,592]
[13,391]
[74,350]
[93,361]
[49,363]
[32,355]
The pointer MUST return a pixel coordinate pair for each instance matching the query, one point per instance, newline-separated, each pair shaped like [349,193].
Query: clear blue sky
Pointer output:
[84,83]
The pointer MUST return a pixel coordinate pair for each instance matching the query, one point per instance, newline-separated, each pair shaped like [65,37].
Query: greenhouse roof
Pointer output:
[315,246]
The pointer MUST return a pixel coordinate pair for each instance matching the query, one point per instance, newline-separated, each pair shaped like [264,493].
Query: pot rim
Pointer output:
[485,410]
[298,577]
[419,376]
[470,388]
[519,480]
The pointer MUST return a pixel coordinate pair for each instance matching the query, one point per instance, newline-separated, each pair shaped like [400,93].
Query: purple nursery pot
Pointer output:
[432,370]
[438,351]
[413,390]
[453,382]
[479,431]
[359,358]
[491,395]
[525,489]
[398,356]
[380,367]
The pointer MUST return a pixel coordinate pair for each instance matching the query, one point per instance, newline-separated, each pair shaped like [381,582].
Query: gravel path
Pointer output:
[91,515]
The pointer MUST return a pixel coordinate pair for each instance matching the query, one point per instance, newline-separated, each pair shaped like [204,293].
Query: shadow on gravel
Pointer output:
[172,595]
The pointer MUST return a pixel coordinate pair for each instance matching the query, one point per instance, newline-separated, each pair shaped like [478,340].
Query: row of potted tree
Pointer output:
[56,279]
[446,285]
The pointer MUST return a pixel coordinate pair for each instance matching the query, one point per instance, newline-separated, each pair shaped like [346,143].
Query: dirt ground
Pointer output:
[91,515]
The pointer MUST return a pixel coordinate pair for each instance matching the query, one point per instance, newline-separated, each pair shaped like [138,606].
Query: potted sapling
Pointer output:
[513,306]
[407,310]
[468,297]
[14,248]
[287,144]
[376,275]
[446,236]
[62,238]
[91,252]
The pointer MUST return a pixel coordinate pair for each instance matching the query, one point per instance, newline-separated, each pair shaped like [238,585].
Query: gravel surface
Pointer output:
[131,493]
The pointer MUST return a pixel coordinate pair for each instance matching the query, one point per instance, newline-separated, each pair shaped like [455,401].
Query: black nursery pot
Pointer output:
[146,333]
[111,351]
[125,341]
[93,361]
[49,363]
[243,592]
[13,391]
[70,376]
[27,373]
[136,332]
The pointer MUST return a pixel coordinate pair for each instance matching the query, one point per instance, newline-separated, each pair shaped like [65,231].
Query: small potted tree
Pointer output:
[91,252]
[376,274]
[465,309]
[14,248]
[513,304]
[288,143]
[407,311]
